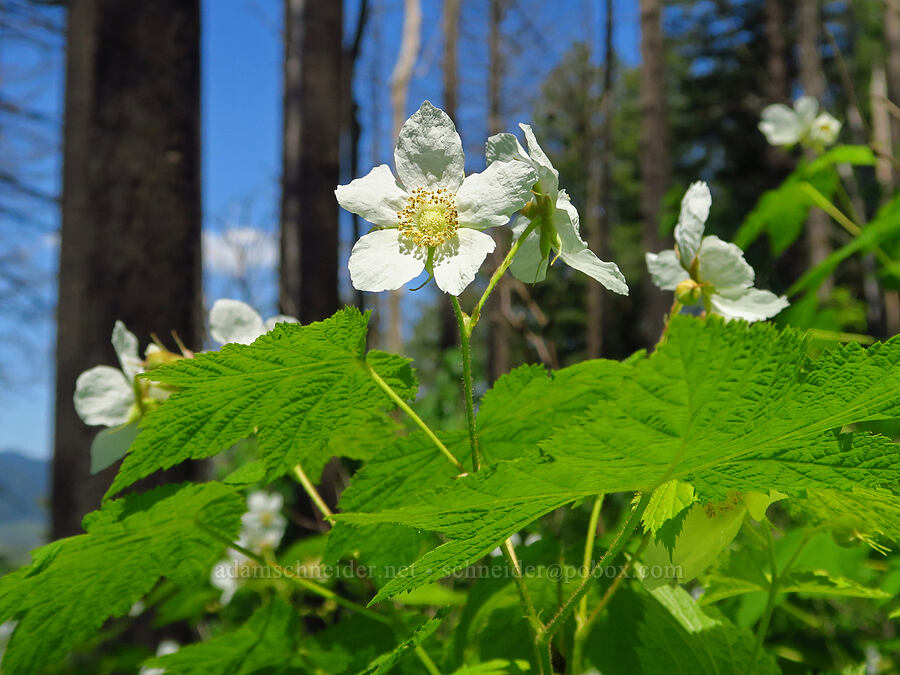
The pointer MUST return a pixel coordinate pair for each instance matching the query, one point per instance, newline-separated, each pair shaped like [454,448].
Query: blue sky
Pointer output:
[241,141]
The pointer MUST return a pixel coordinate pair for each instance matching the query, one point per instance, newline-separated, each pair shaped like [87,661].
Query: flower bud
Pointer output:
[687,292]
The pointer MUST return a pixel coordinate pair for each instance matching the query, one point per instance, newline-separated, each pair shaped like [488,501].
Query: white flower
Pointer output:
[236,321]
[105,395]
[782,125]
[430,218]
[264,524]
[262,528]
[165,647]
[717,268]
[562,235]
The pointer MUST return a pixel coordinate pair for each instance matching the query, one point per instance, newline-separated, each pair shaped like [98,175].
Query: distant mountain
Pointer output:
[24,490]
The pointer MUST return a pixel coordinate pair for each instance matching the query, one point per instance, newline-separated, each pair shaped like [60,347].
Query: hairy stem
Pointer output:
[465,331]
[611,554]
[404,406]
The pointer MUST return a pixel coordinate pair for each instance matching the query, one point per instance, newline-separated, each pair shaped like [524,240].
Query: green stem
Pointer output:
[618,544]
[841,219]
[404,406]
[303,583]
[525,598]
[465,331]
[583,631]
[426,661]
[498,274]
[588,557]
[773,590]
[312,492]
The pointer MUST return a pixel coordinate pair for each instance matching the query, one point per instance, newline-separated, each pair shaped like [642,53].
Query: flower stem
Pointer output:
[546,635]
[498,274]
[303,583]
[763,627]
[317,589]
[583,631]
[310,489]
[465,331]
[404,406]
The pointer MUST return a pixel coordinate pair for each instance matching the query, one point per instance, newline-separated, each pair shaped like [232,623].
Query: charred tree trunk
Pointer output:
[130,246]
[311,159]
[655,163]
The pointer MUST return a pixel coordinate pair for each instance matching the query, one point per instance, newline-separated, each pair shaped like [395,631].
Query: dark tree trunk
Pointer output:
[450,67]
[655,168]
[130,246]
[311,158]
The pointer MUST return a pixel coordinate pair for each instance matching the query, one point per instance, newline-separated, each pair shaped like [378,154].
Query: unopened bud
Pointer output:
[687,292]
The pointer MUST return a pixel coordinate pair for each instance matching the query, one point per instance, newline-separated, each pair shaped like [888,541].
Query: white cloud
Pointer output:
[237,250]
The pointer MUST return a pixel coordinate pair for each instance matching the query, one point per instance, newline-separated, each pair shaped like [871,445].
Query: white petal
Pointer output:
[376,196]
[750,304]
[272,321]
[103,395]
[825,129]
[548,176]
[384,260]
[577,255]
[489,198]
[780,125]
[456,262]
[234,321]
[806,108]
[607,273]
[722,264]
[126,345]
[429,151]
[666,270]
[504,148]
[694,212]
[528,265]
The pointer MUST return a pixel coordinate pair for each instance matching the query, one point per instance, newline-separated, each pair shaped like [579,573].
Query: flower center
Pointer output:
[429,217]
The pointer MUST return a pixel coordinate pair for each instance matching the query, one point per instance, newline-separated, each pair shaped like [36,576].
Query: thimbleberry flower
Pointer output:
[430,217]
[559,233]
[784,126]
[713,267]
[236,321]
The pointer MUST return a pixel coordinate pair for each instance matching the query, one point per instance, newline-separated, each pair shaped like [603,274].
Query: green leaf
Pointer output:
[298,386]
[666,502]
[725,407]
[666,631]
[264,644]
[75,584]
[781,213]
[111,445]
[495,667]
[386,662]
[864,514]
[810,582]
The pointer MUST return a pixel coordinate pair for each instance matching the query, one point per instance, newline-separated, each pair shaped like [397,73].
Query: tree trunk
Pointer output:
[450,67]
[400,77]
[130,246]
[655,168]
[812,78]
[777,84]
[311,159]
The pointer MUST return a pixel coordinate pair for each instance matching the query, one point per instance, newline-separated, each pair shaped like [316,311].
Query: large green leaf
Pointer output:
[73,585]
[725,407]
[299,387]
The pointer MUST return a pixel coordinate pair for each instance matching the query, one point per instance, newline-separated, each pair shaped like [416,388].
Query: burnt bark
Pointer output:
[130,245]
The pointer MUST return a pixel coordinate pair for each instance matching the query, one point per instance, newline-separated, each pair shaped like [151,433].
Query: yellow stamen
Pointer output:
[429,217]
